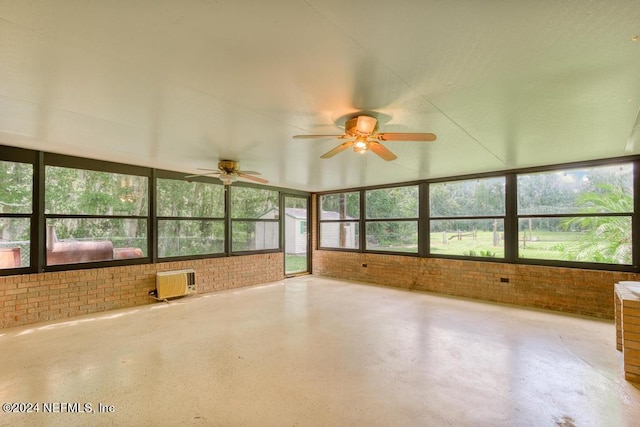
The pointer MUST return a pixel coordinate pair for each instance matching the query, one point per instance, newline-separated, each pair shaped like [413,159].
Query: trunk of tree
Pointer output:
[342,209]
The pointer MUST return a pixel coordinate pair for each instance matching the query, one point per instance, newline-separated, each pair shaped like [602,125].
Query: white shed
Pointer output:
[295,231]
[330,231]
[295,224]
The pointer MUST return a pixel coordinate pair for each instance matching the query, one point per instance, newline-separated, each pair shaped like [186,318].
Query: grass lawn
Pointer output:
[545,245]
[295,263]
[408,249]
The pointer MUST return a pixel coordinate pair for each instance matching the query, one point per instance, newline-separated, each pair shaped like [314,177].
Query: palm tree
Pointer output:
[605,239]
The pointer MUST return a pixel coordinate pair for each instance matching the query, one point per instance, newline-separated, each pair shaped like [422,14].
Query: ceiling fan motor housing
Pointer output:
[228,166]
[361,125]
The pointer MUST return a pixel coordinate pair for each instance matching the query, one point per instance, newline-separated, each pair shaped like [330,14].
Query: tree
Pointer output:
[605,238]
[16,191]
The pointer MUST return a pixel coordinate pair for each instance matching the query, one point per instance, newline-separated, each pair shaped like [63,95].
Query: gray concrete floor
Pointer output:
[313,351]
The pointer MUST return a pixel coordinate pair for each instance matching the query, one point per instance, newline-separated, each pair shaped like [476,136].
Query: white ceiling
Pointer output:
[180,84]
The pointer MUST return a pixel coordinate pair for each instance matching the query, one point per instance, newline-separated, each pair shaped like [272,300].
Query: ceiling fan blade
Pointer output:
[210,170]
[405,137]
[366,125]
[382,151]
[337,150]
[252,178]
[249,172]
[318,136]
[202,174]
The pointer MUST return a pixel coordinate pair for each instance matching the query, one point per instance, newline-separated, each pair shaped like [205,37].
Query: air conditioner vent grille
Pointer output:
[171,284]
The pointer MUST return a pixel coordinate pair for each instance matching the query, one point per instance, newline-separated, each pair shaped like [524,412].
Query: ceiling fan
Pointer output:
[229,171]
[362,132]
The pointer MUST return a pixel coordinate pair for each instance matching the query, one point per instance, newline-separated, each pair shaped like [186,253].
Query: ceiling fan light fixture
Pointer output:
[360,144]
[228,179]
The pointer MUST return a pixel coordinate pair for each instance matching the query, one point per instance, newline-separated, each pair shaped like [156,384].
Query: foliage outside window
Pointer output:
[16,194]
[190,218]
[467,218]
[339,220]
[94,215]
[255,219]
[581,215]
[392,219]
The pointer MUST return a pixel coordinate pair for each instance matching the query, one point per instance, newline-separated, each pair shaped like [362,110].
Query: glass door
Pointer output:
[296,235]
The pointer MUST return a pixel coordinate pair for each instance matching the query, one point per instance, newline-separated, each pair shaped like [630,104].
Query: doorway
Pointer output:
[296,235]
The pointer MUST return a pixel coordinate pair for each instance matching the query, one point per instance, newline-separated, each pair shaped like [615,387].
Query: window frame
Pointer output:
[510,216]
[72,162]
[635,233]
[358,221]
[230,220]
[163,174]
[19,155]
[416,219]
[39,160]
[503,218]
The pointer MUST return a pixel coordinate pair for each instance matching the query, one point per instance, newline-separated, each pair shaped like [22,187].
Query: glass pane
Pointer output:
[189,199]
[255,203]
[468,237]
[189,237]
[588,190]
[15,244]
[340,206]
[343,235]
[604,239]
[77,240]
[16,187]
[475,197]
[254,235]
[295,235]
[84,192]
[396,236]
[399,202]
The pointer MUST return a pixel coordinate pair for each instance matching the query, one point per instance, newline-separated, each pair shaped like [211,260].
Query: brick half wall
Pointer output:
[570,290]
[32,298]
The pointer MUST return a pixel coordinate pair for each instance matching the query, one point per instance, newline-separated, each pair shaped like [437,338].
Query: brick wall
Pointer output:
[31,298]
[585,292]
[570,290]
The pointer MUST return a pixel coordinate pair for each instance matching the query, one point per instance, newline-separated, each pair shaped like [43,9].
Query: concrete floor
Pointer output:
[313,351]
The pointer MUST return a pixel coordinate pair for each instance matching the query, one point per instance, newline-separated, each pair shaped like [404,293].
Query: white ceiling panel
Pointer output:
[179,85]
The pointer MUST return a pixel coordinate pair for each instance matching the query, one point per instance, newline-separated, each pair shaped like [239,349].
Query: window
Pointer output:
[392,219]
[467,217]
[339,220]
[255,219]
[578,216]
[190,218]
[581,215]
[16,194]
[94,215]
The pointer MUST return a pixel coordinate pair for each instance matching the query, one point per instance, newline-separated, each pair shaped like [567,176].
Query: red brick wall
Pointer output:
[570,290]
[31,298]
[586,292]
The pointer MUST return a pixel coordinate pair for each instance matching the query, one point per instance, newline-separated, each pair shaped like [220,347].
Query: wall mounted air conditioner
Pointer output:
[170,284]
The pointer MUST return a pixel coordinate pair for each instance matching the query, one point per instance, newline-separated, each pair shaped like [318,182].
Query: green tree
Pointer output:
[249,202]
[347,205]
[605,238]
[16,190]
